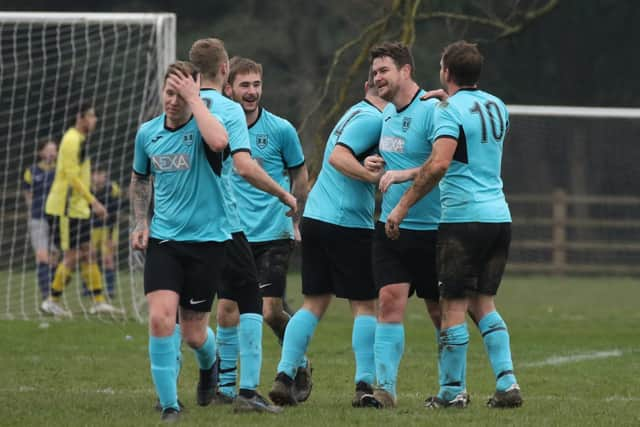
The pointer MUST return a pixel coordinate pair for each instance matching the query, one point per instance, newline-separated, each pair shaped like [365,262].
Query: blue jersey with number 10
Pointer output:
[471,190]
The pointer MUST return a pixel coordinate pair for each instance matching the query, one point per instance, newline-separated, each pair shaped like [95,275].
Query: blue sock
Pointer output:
[250,342]
[206,355]
[440,370]
[228,351]
[162,354]
[43,270]
[362,339]
[388,348]
[297,336]
[496,341]
[110,279]
[454,341]
[177,342]
[439,344]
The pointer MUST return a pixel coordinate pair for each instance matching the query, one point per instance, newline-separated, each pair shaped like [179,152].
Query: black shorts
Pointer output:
[272,262]
[410,259]
[70,233]
[240,277]
[191,269]
[472,257]
[336,260]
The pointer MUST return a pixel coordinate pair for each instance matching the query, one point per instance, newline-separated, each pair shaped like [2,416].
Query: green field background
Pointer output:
[575,343]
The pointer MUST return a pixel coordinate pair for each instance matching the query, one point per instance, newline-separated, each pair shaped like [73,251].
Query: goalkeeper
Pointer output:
[70,203]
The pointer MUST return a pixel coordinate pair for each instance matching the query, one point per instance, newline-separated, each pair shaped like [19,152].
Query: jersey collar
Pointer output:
[257,118]
[410,102]
[170,129]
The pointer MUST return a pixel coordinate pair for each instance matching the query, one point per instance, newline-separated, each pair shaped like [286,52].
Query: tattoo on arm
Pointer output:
[141,199]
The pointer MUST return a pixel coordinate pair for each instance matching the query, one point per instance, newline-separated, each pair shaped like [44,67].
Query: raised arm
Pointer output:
[213,132]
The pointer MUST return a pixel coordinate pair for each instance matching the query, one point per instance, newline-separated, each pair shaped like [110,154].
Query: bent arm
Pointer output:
[343,159]
[250,170]
[430,173]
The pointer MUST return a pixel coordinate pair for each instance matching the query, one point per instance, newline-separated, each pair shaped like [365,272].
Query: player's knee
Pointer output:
[42,256]
[227,313]
[391,305]
[161,323]
[194,337]
[271,310]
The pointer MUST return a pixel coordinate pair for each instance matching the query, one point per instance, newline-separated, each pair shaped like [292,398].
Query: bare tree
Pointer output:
[477,20]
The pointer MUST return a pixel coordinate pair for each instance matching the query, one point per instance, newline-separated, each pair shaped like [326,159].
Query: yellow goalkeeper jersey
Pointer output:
[70,195]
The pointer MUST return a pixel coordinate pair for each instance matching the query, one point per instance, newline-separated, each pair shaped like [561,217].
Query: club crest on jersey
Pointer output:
[262,141]
[406,122]
[187,139]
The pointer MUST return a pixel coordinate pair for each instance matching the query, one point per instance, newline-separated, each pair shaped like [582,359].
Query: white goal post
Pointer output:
[49,63]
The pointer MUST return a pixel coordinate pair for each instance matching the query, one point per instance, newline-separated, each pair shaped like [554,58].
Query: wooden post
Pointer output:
[559,231]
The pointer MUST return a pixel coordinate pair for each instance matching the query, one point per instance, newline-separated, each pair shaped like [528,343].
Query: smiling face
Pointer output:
[387,77]
[246,89]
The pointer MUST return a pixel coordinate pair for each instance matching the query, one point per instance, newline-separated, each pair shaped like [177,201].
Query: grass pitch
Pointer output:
[575,343]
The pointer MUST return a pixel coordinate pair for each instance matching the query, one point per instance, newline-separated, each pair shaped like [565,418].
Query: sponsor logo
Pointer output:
[156,138]
[406,123]
[264,285]
[192,302]
[262,141]
[393,144]
[171,162]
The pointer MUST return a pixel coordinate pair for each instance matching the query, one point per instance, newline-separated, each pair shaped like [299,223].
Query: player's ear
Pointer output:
[227,90]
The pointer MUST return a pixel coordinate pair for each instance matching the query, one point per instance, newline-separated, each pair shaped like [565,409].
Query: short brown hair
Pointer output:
[180,67]
[207,55]
[84,106]
[397,51]
[464,61]
[240,65]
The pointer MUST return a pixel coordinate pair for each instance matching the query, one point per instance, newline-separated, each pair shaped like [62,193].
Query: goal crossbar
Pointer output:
[580,112]
[74,17]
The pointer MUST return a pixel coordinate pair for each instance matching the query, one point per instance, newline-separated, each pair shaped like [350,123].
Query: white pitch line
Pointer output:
[573,358]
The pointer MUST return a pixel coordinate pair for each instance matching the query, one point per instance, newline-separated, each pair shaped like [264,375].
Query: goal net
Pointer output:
[49,62]
[571,179]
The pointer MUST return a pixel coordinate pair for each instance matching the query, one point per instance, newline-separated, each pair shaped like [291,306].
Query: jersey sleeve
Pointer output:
[27,180]
[141,162]
[291,148]
[69,151]
[445,123]
[236,126]
[362,133]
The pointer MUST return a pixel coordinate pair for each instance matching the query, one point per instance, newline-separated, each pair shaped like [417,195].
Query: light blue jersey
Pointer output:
[336,198]
[276,147]
[472,188]
[405,143]
[232,117]
[188,205]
